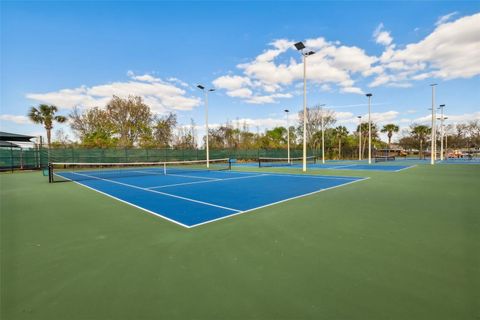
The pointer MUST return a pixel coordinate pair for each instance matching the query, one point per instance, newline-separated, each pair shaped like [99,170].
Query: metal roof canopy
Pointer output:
[5,144]
[7,136]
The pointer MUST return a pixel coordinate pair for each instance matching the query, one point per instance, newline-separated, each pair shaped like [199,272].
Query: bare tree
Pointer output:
[314,122]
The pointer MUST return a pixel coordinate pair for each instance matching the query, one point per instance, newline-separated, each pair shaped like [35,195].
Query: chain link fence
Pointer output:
[31,158]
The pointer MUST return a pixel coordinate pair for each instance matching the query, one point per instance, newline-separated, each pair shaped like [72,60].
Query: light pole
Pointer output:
[288,137]
[441,130]
[369,95]
[432,147]
[300,47]
[359,138]
[446,139]
[206,121]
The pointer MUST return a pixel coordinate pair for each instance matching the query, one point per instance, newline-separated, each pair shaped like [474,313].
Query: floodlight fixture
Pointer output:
[207,150]
[299,45]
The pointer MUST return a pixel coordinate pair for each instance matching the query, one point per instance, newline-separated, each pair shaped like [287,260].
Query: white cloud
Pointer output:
[231,82]
[15,118]
[381,36]
[240,93]
[382,117]
[352,90]
[178,81]
[272,72]
[159,95]
[452,118]
[268,98]
[445,18]
[146,78]
[451,51]
[463,117]
[377,117]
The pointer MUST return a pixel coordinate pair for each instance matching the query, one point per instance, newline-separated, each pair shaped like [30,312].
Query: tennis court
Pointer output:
[314,163]
[192,196]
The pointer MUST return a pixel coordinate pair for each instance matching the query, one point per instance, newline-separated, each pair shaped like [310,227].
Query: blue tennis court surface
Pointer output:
[365,167]
[193,198]
[340,165]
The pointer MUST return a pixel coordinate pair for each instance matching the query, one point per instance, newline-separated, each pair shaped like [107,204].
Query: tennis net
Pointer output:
[71,171]
[384,158]
[279,162]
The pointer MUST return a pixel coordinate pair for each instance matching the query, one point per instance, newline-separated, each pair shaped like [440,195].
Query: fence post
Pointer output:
[11,158]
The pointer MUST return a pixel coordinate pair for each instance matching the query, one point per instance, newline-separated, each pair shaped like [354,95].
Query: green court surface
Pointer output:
[403,245]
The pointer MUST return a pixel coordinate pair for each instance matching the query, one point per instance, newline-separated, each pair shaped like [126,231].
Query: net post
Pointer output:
[164,168]
[50,173]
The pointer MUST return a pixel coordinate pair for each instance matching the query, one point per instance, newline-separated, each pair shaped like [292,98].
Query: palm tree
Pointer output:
[364,129]
[340,132]
[420,132]
[390,129]
[45,115]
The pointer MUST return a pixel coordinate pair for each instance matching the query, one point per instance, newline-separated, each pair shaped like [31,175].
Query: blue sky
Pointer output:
[80,53]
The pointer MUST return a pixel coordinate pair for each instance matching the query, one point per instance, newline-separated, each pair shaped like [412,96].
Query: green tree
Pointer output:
[45,114]
[390,129]
[340,133]
[94,127]
[130,117]
[420,133]
[163,129]
[364,128]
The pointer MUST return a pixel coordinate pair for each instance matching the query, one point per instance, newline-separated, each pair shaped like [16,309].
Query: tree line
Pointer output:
[129,122]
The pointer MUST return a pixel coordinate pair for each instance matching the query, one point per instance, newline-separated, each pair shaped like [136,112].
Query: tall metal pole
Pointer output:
[360,138]
[432,147]
[446,145]
[441,131]
[288,138]
[323,137]
[206,128]
[369,95]
[304,113]
[207,151]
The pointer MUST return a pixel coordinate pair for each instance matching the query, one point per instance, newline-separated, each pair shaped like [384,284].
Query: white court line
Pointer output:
[145,172]
[186,176]
[405,168]
[126,202]
[159,192]
[343,166]
[209,181]
[238,212]
[274,203]
[314,176]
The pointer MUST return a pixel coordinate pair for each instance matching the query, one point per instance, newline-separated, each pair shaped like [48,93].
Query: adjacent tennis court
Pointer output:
[314,163]
[190,195]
